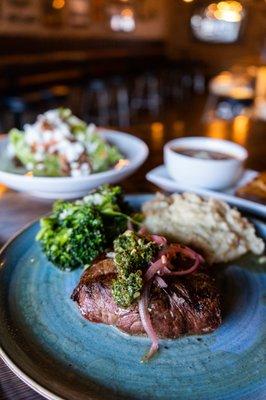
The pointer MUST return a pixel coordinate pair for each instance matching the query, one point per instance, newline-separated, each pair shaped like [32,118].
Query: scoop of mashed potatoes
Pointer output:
[211,226]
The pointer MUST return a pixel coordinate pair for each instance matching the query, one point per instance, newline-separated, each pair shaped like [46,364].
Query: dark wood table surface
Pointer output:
[17,209]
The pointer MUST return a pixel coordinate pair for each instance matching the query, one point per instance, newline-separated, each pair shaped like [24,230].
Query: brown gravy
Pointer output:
[203,154]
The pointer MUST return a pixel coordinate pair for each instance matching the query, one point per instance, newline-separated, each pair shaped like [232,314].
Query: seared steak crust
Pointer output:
[188,305]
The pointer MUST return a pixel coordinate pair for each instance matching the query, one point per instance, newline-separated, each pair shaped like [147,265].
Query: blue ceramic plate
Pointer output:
[47,343]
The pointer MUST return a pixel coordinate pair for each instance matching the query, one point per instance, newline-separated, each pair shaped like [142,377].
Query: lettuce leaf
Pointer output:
[21,149]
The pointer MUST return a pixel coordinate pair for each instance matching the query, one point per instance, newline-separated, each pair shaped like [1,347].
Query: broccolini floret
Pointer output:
[76,233]
[108,199]
[72,236]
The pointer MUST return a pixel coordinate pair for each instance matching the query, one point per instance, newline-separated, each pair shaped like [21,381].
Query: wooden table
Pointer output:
[18,209]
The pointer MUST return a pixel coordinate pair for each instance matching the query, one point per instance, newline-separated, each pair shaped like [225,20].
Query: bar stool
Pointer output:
[16,107]
[96,102]
[145,94]
[199,82]
[21,108]
[118,102]
[171,88]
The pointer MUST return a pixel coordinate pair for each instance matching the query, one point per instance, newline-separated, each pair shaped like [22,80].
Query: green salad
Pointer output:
[60,144]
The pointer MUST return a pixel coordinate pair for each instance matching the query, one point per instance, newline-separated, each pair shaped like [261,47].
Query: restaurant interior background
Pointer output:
[156,68]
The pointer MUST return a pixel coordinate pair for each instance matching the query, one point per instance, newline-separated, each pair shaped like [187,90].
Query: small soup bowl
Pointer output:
[208,173]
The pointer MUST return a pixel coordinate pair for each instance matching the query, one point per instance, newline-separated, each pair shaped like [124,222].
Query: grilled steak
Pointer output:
[188,305]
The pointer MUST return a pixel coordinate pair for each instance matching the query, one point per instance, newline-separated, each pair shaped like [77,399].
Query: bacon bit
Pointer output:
[46,126]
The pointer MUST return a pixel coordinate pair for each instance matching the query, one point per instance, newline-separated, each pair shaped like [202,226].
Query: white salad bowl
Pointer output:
[135,151]
[205,173]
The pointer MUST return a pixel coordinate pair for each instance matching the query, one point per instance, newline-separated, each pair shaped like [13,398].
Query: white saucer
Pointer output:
[160,177]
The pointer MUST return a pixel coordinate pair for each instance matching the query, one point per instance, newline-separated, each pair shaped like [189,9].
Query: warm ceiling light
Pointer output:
[58,4]
[3,189]
[157,135]
[236,6]
[212,7]
[240,129]
[228,11]
[217,129]
[123,21]
[188,1]
[127,12]
[227,15]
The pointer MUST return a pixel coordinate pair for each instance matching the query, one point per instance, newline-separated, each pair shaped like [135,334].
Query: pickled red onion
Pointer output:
[162,266]
[161,283]
[146,322]
[161,240]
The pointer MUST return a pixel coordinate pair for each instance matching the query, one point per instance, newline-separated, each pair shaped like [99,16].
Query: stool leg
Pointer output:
[17,116]
[137,101]
[86,100]
[154,98]
[103,102]
[123,107]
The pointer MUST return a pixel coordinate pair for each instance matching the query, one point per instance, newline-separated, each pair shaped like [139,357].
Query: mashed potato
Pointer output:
[209,225]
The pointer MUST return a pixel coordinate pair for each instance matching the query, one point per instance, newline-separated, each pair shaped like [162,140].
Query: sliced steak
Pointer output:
[188,305]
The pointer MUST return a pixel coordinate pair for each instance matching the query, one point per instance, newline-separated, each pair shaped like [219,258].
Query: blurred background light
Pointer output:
[124,21]
[218,22]
[58,4]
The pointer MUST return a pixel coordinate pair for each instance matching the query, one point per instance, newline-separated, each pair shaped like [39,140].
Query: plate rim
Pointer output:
[247,206]
[3,354]
[26,378]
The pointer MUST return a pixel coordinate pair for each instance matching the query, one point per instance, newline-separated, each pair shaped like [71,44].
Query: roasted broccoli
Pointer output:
[115,211]
[107,199]
[76,233]
[73,235]
[132,255]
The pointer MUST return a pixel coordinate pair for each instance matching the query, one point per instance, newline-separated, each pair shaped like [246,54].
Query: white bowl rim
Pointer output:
[138,160]
[204,140]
